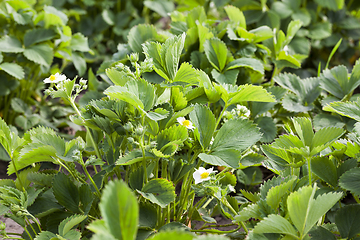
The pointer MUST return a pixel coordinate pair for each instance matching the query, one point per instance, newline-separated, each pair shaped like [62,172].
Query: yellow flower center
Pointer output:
[52,78]
[187,123]
[204,175]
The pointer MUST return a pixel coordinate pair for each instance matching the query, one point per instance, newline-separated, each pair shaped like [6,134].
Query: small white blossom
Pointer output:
[202,174]
[55,78]
[185,123]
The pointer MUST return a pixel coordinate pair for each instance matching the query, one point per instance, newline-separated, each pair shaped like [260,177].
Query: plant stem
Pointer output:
[216,231]
[309,169]
[95,146]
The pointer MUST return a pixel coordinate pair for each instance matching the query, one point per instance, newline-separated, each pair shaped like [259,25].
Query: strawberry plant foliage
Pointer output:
[184,122]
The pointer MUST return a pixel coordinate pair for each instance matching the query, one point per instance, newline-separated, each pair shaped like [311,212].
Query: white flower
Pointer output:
[202,174]
[55,78]
[185,123]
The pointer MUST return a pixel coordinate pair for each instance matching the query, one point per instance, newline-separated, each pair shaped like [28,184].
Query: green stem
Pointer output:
[91,179]
[217,231]
[221,114]
[95,146]
[309,170]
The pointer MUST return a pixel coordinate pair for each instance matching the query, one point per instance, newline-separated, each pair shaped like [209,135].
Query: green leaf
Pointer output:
[108,17]
[305,211]
[235,15]
[348,109]
[325,169]
[350,181]
[38,35]
[10,44]
[66,192]
[251,63]
[267,128]
[346,219]
[67,224]
[163,8]
[46,235]
[133,157]
[79,63]
[334,5]
[32,153]
[186,74]
[159,191]
[119,78]
[275,194]
[320,30]
[139,34]
[250,211]
[253,93]
[228,158]
[304,129]
[147,215]
[53,11]
[120,210]
[178,100]
[275,224]
[336,81]
[227,77]
[165,235]
[41,54]
[217,53]
[236,134]
[138,93]
[321,233]
[324,137]
[13,69]
[354,80]
[204,121]
[79,43]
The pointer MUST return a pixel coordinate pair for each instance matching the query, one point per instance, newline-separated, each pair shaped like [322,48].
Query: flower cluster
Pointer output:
[239,112]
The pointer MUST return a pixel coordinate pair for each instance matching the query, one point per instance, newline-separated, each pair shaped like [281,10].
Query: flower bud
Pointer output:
[139,130]
[129,127]
[134,57]
[2,226]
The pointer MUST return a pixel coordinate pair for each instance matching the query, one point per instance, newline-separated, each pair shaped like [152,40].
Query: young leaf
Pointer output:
[346,220]
[217,53]
[250,93]
[186,74]
[276,193]
[159,191]
[165,235]
[67,224]
[204,120]
[235,15]
[120,211]
[304,129]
